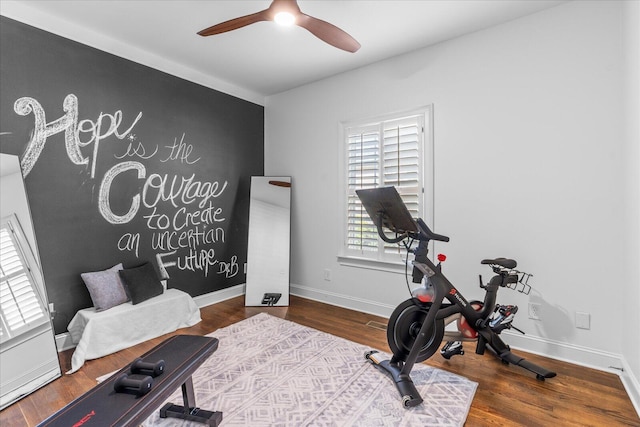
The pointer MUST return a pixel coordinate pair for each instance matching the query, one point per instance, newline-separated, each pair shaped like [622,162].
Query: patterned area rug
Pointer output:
[273,372]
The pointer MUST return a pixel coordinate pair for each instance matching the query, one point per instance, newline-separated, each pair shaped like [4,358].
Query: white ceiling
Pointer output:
[261,59]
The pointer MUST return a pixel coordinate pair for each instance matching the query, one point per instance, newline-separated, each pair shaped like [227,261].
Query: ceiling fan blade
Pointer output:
[325,31]
[328,33]
[234,24]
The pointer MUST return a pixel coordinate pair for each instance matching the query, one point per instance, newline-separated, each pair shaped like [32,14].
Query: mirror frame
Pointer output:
[29,360]
[269,245]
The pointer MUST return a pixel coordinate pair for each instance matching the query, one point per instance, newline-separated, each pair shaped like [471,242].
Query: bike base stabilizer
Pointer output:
[410,395]
[541,373]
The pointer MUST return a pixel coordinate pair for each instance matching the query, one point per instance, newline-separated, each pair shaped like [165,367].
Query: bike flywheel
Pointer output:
[404,327]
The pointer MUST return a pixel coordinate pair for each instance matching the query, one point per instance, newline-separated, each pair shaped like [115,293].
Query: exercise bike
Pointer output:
[416,327]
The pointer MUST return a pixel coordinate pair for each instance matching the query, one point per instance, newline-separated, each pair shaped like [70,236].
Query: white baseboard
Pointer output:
[219,296]
[578,355]
[26,384]
[631,384]
[581,356]
[63,342]
[345,301]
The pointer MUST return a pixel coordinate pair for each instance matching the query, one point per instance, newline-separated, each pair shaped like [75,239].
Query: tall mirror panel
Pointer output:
[269,241]
[28,354]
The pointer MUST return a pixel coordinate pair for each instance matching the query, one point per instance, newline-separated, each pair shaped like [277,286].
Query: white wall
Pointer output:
[631,297]
[530,164]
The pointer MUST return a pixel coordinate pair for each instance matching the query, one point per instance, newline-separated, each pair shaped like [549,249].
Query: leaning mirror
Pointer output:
[28,354]
[269,242]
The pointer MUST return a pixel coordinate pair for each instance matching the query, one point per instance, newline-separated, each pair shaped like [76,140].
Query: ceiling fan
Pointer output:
[287,12]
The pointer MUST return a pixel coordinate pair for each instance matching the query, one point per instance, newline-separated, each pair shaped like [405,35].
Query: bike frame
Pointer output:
[387,210]
[444,289]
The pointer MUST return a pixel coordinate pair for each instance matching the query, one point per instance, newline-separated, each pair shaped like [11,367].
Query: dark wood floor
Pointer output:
[506,395]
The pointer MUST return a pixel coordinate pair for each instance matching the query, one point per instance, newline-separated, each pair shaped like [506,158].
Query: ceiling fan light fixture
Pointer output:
[286,19]
[287,12]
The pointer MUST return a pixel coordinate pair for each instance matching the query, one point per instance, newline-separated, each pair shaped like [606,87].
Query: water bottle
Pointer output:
[425,291]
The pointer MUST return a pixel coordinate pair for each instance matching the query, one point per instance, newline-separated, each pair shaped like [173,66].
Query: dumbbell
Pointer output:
[140,384]
[154,369]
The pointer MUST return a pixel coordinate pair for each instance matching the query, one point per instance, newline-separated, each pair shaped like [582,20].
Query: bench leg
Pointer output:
[189,411]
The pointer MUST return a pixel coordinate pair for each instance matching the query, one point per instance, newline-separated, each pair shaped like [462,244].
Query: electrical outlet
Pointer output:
[534,310]
[51,309]
[327,274]
[583,320]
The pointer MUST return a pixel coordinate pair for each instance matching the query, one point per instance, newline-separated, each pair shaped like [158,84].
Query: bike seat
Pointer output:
[502,262]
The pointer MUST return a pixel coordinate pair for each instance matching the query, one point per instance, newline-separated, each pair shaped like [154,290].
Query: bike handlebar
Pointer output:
[387,239]
[427,234]
[423,233]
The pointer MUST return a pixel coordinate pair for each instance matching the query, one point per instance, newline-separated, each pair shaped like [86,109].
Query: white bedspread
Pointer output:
[100,333]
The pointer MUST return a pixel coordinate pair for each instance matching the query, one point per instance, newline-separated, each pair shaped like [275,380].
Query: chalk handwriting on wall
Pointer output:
[181,213]
[72,131]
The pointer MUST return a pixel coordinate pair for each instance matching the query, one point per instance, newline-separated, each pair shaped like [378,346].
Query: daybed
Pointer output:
[99,333]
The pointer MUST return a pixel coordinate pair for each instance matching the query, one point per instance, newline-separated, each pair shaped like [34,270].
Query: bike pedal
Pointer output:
[451,348]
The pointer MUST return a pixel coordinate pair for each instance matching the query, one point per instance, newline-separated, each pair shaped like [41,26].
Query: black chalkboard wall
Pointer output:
[124,163]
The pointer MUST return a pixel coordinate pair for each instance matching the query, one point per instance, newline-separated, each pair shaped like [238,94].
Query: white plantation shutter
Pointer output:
[386,153]
[402,164]
[20,305]
[363,146]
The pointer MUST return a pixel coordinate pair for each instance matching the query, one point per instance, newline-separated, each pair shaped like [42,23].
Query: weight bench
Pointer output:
[122,402]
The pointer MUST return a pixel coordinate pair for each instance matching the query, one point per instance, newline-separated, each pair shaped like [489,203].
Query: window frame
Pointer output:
[425,190]
[29,265]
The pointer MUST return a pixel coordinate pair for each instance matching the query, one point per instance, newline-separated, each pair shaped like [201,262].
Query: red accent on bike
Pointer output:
[464,327]
[442,257]
[452,292]
[425,298]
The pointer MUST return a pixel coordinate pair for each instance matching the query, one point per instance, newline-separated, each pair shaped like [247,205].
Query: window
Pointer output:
[21,307]
[392,151]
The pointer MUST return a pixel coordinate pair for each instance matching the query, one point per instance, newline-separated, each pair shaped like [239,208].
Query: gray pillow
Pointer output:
[105,287]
